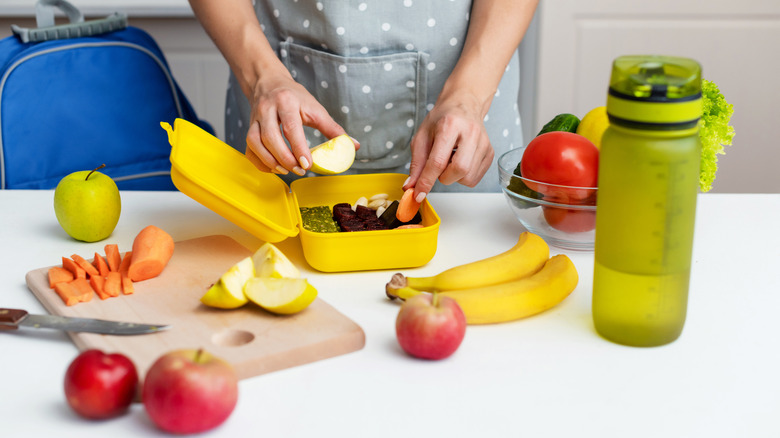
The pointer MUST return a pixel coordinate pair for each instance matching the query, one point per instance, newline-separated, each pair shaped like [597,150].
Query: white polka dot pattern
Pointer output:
[338,51]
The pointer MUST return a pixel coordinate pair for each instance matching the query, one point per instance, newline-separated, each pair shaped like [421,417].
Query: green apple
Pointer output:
[271,262]
[334,156]
[87,205]
[228,292]
[283,296]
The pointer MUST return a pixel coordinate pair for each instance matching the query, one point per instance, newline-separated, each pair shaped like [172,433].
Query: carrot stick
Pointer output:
[59,274]
[74,292]
[67,293]
[113,284]
[112,256]
[127,285]
[100,264]
[407,206]
[75,269]
[83,289]
[85,265]
[152,249]
[125,264]
[98,284]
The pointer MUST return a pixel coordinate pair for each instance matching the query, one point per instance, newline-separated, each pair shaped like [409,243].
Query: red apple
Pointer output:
[430,326]
[100,385]
[189,391]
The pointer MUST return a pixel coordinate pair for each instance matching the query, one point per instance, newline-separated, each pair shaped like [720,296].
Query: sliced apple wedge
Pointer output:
[269,261]
[334,156]
[284,296]
[228,292]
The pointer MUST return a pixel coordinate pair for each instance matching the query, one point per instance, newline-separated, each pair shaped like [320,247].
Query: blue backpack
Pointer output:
[78,95]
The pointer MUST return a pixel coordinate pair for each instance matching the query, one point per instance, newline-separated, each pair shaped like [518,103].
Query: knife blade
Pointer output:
[11,319]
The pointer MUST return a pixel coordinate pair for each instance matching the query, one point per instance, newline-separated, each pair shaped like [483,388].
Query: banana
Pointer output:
[525,258]
[513,299]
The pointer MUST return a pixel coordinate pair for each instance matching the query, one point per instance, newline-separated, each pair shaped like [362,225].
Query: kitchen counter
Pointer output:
[548,375]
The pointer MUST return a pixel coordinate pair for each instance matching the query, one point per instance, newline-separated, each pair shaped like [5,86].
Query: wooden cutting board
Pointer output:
[252,340]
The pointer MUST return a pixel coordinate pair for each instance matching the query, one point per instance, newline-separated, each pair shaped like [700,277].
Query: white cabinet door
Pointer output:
[735,42]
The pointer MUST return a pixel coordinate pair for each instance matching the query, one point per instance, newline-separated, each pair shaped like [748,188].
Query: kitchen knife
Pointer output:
[11,319]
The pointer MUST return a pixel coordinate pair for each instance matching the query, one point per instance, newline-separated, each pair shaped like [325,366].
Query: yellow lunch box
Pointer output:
[222,179]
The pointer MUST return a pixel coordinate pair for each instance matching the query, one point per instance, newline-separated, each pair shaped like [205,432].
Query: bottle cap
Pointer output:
[655,92]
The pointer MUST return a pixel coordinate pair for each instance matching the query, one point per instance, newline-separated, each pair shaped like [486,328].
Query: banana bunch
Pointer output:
[520,282]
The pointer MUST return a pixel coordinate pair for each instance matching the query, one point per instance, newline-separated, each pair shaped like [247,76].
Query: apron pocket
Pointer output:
[378,100]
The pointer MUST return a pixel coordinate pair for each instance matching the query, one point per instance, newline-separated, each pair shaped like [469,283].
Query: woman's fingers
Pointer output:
[276,133]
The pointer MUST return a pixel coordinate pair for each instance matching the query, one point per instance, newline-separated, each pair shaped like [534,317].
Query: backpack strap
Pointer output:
[47,30]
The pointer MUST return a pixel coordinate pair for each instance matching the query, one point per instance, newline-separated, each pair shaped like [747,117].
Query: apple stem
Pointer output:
[435,300]
[95,170]
[198,354]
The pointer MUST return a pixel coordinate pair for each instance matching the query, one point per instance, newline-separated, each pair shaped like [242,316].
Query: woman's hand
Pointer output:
[280,109]
[451,145]
[280,106]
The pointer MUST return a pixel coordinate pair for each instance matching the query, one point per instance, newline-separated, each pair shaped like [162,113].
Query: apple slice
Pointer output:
[334,156]
[283,296]
[269,261]
[228,292]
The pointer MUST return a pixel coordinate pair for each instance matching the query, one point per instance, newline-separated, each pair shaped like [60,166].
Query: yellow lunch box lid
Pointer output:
[222,179]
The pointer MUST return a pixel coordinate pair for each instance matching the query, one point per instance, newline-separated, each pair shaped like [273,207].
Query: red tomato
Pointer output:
[569,220]
[561,158]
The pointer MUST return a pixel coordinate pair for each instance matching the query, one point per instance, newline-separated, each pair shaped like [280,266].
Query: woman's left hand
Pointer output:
[451,146]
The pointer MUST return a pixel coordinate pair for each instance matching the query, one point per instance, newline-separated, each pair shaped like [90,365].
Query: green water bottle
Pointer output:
[648,183]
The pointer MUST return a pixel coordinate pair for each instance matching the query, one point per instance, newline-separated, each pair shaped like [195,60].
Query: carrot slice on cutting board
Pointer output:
[58,274]
[152,249]
[85,265]
[113,284]
[74,268]
[407,206]
[127,285]
[101,265]
[98,284]
[74,292]
[125,264]
[112,256]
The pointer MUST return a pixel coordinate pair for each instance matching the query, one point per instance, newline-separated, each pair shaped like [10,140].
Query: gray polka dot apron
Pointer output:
[377,66]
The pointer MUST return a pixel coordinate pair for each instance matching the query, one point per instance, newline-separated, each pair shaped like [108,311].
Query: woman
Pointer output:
[427,87]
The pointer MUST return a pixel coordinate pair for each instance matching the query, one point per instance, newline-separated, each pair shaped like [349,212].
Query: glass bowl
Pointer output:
[564,216]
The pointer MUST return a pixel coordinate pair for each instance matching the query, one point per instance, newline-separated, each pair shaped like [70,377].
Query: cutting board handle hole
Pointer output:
[232,338]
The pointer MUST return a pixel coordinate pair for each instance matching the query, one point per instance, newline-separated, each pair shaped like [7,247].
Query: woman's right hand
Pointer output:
[281,108]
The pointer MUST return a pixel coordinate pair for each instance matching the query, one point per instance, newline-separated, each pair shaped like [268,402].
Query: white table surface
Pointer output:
[548,375]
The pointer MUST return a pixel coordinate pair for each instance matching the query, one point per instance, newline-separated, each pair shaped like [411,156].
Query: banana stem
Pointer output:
[398,281]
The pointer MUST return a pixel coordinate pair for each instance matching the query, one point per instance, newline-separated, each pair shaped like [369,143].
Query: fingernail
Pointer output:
[298,171]
[304,162]
[281,169]
[354,141]
[420,197]
[406,182]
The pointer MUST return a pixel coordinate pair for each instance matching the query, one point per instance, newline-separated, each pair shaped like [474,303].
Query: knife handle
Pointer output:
[9,318]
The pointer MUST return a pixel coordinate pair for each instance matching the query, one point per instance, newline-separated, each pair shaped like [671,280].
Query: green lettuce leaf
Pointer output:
[714,132]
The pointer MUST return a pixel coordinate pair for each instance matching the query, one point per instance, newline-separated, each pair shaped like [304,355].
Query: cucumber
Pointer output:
[561,122]
[517,185]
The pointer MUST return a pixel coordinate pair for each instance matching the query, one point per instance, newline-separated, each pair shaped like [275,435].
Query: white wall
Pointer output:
[735,42]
